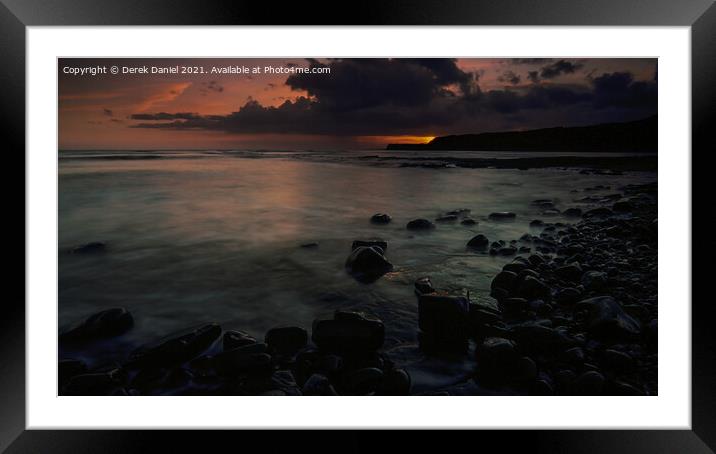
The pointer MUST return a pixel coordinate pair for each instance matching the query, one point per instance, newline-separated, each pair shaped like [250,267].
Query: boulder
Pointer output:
[286,340]
[380,218]
[107,323]
[420,224]
[423,285]
[444,318]
[572,272]
[363,381]
[382,244]
[348,332]
[606,320]
[249,359]
[367,263]
[396,382]
[590,383]
[177,348]
[594,280]
[478,242]
[531,287]
[236,339]
[505,280]
[536,223]
[318,385]
[600,212]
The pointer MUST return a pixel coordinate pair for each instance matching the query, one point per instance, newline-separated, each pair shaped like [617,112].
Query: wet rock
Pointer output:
[573,212]
[283,380]
[380,218]
[249,359]
[606,320]
[623,206]
[310,245]
[600,212]
[543,386]
[478,242]
[506,251]
[502,216]
[620,388]
[590,383]
[107,323]
[348,332]
[567,295]
[572,272]
[420,224]
[236,339]
[286,340]
[368,263]
[574,356]
[95,384]
[90,248]
[68,368]
[594,280]
[177,348]
[382,244]
[447,218]
[617,361]
[363,381]
[533,288]
[396,382]
[515,267]
[423,285]
[468,221]
[514,305]
[496,358]
[538,338]
[536,223]
[444,318]
[318,385]
[505,280]
[524,370]
[151,380]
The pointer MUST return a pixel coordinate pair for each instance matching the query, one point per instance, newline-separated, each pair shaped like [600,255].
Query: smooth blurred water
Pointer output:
[203,237]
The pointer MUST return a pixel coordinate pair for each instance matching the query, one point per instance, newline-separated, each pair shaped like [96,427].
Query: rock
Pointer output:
[382,244]
[95,384]
[543,386]
[514,305]
[423,285]
[478,242]
[572,272]
[249,359]
[446,218]
[536,223]
[482,319]
[236,339]
[502,216]
[286,340]
[468,221]
[534,337]
[363,381]
[90,248]
[573,212]
[506,251]
[590,383]
[459,212]
[623,206]
[601,212]
[396,382]
[532,288]
[318,385]
[151,380]
[617,361]
[594,280]
[348,333]
[515,267]
[380,218]
[177,348]
[620,388]
[496,358]
[567,295]
[107,323]
[420,224]
[311,245]
[524,370]
[444,318]
[505,280]
[606,320]
[574,356]
[68,368]
[367,263]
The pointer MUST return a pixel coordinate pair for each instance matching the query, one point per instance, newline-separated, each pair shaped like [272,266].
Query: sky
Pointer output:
[323,104]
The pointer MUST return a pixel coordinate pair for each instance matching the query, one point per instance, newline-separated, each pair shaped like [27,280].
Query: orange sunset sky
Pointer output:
[360,103]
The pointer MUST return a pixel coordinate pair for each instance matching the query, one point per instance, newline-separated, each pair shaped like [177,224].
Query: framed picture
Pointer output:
[419,216]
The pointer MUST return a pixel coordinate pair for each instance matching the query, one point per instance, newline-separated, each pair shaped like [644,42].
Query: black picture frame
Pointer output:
[700,15]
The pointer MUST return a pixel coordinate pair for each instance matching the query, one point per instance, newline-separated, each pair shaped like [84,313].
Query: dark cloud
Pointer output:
[509,77]
[165,116]
[619,89]
[558,68]
[533,76]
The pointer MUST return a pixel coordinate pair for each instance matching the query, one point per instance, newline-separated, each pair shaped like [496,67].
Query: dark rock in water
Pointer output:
[382,244]
[617,361]
[531,288]
[623,206]
[318,385]
[606,320]
[536,223]
[506,280]
[368,263]
[502,216]
[177,348]
[598,213]
[249,359]
[552,212]
[348,333]
[573,212]
[420,224]
[380,218]
[90,248]
[459,212]
[311,245]
[572,272]
[446,218]
[444,318]
[594,280]
[363,381]
[95,384]
[524,250]
[514,267]
[236,339]
[535,259]
[505,251]
[68,368]
[567,295]
[468,221]
[590,383]
[478,242]
[543,203]
[286,339]
[423,285]
[107,323]
[396,382]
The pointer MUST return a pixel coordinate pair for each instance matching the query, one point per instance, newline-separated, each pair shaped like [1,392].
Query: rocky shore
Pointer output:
[573,313]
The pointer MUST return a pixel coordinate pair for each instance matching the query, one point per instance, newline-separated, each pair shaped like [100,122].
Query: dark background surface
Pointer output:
[16,14]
